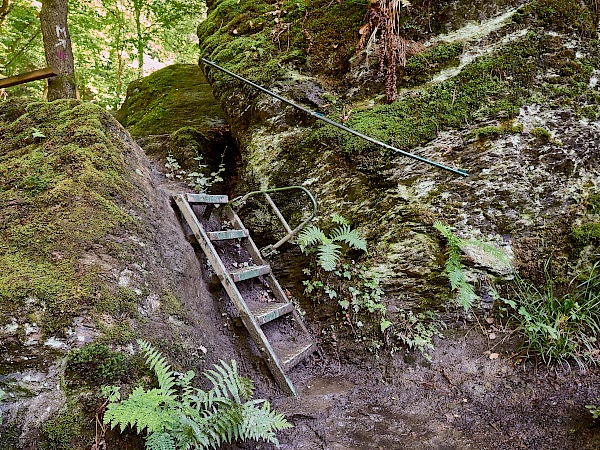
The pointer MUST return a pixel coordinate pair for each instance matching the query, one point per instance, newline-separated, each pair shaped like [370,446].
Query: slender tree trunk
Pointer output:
[141,45]
[57,46]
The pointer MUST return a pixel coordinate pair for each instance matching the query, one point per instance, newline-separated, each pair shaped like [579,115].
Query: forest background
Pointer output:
[114,42]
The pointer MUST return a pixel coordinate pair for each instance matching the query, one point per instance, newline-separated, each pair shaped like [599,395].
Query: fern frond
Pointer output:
[164,374]
[311,235]
[336,218]
[141,410]
[160,441]
[353,238]
[328,255]
[261,423]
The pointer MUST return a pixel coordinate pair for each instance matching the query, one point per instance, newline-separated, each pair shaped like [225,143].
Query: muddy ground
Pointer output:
[474,394]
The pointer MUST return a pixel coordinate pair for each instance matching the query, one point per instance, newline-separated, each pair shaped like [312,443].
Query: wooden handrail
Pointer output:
[26,77]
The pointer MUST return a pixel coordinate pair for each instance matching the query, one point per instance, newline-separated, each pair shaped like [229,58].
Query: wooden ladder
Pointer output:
[289,341]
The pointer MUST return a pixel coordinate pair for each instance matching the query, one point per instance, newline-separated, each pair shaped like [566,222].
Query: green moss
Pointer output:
[493,130]
[62,430]
[560,15]
[60,195]
[587,234]
[97,364]
[541,133]
[119,333]
[170,98]
[170,305]
[593,203]
[119,305]
[419,68]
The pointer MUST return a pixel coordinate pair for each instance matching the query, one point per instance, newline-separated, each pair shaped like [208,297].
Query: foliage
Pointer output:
[356,290]
[328,251]
[417,330]
[558,326]
[454,270]
[107,37]
[586,234]
[594,410]
[197,180]
[177,415]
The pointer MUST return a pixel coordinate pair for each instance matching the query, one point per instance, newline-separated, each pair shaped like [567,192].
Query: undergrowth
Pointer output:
[177,415]
[558,323]
[465,293]
[335,276]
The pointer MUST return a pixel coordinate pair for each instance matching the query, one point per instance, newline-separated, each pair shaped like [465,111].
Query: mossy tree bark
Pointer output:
[57,47]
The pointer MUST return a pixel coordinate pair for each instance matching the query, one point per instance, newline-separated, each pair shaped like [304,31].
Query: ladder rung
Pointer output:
[227,234]
[205,198]
[266,312]
[291,354]
[246,273]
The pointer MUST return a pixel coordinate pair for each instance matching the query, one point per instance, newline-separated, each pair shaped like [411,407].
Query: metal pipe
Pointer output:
[460,172]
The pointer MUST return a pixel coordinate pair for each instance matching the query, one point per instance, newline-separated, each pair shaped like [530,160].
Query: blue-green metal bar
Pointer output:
[269,249]
[460,172]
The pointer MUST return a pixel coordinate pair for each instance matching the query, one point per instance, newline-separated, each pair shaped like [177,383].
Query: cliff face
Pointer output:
[512,98]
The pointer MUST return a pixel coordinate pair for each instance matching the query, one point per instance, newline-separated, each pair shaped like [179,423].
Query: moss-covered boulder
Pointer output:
[90,252]
[475,98]
[173,113]
[169,99]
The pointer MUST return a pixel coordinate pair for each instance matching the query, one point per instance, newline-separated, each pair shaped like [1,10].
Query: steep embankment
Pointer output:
[90,250]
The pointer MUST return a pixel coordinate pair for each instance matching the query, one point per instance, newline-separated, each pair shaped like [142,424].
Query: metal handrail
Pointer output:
[270,249]
[461,172]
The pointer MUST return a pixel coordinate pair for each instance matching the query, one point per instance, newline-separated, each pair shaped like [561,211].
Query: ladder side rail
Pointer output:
[246,315]
[249,242]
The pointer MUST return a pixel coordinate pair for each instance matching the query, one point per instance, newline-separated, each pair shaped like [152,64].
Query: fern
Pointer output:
[178,416]
[454,270]
[328,252]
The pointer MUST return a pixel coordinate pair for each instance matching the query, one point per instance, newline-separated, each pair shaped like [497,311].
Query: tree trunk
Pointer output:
[141,45]
[57,46]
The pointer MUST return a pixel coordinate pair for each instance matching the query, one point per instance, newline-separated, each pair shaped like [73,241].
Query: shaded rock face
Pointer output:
[173,112]
[520,114]
[116,281]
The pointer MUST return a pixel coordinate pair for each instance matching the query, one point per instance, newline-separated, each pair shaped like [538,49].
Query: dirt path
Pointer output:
[462,400]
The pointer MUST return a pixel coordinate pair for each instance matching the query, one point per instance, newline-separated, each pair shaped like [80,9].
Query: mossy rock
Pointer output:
[63,184]
[171,98]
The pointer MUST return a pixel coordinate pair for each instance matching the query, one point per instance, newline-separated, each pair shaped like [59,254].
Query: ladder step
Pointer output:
[227,234]
[245,273]
[205,198]
[266,312]
[291,353]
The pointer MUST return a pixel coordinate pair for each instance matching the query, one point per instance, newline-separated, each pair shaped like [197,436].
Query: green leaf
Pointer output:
[311,235]
[37,133]
[385,324]
[328,255]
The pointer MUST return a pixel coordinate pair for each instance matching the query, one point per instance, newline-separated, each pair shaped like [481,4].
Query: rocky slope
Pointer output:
[91,251]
